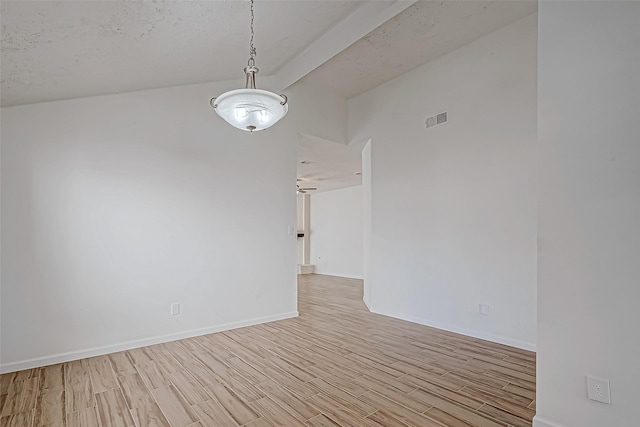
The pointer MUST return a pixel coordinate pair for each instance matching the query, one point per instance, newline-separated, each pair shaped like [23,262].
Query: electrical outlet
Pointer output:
[483,309]
[598,390]
[175,309]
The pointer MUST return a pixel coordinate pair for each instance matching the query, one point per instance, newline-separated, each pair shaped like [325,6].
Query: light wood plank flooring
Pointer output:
[335,365]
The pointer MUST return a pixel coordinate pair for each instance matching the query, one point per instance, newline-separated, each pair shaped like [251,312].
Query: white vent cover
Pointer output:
[436,120]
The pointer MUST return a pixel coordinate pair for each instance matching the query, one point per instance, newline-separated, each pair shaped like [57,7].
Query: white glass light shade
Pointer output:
[251,109]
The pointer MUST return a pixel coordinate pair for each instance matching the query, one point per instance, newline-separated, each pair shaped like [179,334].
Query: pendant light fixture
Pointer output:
[250,109]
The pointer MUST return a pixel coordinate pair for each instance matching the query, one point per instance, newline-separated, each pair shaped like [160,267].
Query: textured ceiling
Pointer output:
[423,32]
[419,34]
[55,50]
[328,165]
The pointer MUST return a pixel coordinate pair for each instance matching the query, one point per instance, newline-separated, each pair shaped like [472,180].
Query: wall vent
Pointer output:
[436,120]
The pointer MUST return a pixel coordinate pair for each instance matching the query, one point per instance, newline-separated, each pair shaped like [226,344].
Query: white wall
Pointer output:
[366,221]
[114,207]
[325,113]
[589,212]
[454,206]
[336,232]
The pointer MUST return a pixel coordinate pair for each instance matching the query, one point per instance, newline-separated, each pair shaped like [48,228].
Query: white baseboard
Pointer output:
[128,345]
[468,332]
[541,422]
[364,300]
[306,268]
[333,274]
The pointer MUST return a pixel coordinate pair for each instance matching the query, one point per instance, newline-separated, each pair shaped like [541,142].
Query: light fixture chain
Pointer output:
[252,49]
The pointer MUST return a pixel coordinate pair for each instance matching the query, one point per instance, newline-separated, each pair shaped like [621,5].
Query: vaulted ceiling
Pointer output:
[54,50]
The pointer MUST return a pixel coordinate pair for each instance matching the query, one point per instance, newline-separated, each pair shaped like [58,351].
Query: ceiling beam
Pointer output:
[368,16]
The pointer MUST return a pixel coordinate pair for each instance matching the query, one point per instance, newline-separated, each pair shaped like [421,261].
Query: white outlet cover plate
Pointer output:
[598,389]
[175,309]
[484,309]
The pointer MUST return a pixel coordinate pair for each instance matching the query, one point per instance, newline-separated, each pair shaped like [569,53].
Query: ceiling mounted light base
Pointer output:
[250,109]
